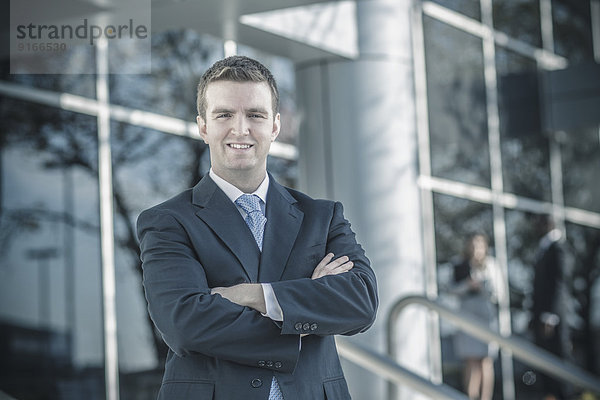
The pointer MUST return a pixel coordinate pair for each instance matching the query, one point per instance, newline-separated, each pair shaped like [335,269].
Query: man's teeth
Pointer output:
[240,146]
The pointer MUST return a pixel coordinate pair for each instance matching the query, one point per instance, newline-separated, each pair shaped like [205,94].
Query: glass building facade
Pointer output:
[496,163]
[489,162]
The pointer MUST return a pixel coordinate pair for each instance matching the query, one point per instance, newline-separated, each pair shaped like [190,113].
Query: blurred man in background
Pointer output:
[550,299]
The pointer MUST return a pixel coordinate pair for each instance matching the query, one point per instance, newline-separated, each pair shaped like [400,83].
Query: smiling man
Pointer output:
[238,124]
[248,281]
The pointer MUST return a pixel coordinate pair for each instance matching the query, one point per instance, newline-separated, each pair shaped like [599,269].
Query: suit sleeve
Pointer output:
[343,304]
[189,318]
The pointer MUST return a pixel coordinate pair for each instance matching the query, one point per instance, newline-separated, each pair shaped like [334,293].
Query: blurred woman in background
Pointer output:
[478,284]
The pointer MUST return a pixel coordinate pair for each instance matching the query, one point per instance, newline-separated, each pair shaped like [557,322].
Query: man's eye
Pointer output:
[256,116]
[224,115]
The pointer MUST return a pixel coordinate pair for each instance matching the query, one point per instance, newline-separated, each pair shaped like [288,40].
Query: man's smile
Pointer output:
[239,145]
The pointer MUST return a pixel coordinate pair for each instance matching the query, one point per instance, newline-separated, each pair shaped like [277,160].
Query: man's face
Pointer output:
[239,127]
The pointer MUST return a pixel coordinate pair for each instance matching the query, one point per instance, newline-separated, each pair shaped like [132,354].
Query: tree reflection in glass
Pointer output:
[525,149]
[519,19]
[50,291]
[457,104]
[572,28]
[581,163]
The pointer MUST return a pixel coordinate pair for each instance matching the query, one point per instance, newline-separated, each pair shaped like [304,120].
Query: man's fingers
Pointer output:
[320,268]
[338,262]
[347,266]
[328,267]
[325,260]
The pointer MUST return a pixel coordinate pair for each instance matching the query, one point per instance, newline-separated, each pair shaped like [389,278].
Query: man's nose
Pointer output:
[240,126]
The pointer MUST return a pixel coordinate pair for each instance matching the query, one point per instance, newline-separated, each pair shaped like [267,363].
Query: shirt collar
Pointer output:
[233,192]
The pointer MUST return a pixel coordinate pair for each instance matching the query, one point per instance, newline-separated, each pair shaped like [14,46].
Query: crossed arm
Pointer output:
[251,294]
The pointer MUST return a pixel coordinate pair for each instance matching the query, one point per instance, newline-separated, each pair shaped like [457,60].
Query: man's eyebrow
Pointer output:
[258,110]
[219,110]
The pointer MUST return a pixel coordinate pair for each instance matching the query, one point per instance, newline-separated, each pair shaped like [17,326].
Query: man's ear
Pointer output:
[276,127]
[202,128]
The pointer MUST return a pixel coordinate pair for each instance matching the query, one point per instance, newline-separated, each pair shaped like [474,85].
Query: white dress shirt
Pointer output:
[274,310]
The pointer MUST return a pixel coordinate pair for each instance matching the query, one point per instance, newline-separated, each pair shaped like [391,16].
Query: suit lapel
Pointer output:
[283,224]
[222,216]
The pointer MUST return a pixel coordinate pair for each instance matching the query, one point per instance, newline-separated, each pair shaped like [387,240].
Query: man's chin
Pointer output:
[242,167]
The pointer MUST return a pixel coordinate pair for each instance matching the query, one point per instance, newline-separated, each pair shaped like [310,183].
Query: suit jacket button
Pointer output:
[298,326]
[261,363]
[256,383]
[269,364]
[306,326]
[314,327]
[278,364]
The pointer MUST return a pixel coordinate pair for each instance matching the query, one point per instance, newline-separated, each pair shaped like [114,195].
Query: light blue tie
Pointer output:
[256,221]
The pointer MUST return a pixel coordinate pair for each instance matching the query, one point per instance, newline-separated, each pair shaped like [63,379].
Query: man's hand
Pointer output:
[245,294]
[329,267]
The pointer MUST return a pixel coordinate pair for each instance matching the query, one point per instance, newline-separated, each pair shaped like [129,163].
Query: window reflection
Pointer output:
[457,104]
[470,8]
[50,288]
[581,160]
[525,150]
[519,19]
[572,29]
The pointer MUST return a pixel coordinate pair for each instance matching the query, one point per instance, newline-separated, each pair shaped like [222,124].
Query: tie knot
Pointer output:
[249,203]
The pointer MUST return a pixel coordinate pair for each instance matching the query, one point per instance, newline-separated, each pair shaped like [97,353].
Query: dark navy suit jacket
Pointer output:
[220,350]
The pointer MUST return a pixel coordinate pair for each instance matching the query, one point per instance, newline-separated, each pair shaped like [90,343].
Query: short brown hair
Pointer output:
[237,69]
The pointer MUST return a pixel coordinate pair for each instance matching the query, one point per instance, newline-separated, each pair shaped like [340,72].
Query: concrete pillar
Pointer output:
[358,144]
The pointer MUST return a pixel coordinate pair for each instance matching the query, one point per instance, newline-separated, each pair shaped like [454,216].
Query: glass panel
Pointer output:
[50,287]
[525,150]
[148,167]
[585,289]
[457,104]
[573,30]
[178,60]
[580,160]
[519,19]
[83,85]
[455,220]
[470,8]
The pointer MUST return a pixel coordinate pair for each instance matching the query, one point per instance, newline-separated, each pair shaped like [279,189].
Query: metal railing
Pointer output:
[521,349]
[387,368]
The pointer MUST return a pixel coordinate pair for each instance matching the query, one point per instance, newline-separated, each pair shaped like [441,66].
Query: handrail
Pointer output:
[390,370]
[522,349]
